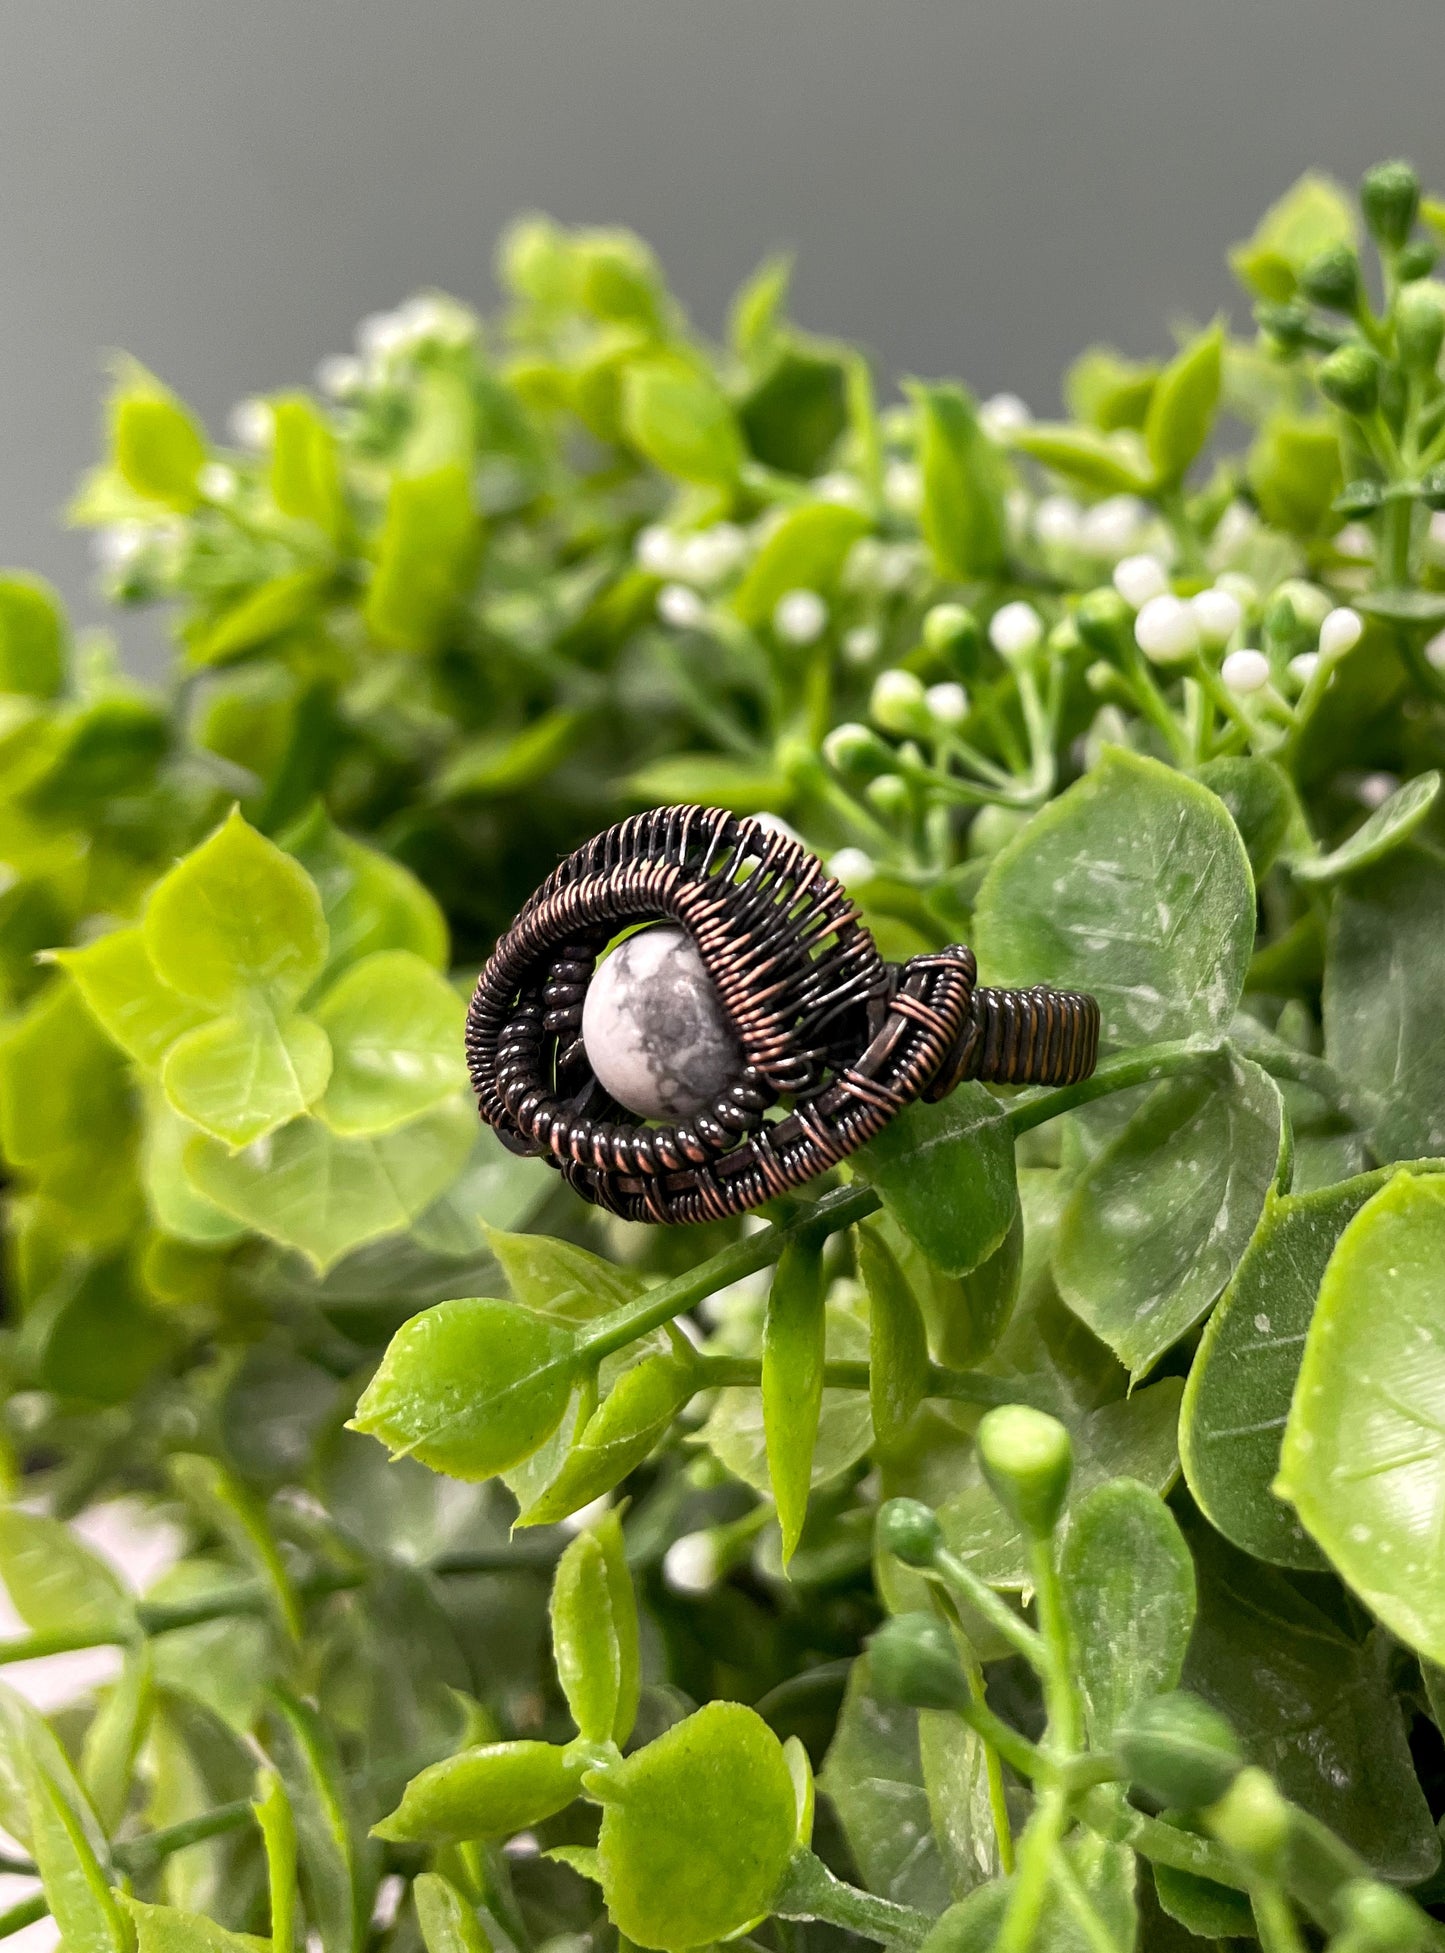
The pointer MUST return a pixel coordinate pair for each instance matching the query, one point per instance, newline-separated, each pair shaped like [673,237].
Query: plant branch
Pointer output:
[810,1891]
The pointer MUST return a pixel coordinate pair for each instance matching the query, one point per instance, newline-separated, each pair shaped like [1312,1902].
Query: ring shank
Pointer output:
[1023,1037]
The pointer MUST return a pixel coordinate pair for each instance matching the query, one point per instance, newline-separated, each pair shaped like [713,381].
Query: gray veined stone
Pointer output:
[654,1029]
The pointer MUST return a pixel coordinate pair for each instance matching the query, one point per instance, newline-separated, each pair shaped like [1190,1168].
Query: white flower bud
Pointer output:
[217,480]
[1111,527]
[684,609]
[1303,668]
[842,488]
[1435,651]
[897,703]
[1340,632]
[251,423]
[1015,630]
[381,333]
[903,487]
[1356,542]
[711,554]
[115,548]
[861,645]
[657,550]
[850,745]
[947,704]
[339,375]
[1139,578]
[581,1519]
[690,1564]
[1058,522]
[1003,415]
[851,866]
[1217,613]
[1245,672]
[801,617]
[1375,789]
[1437,528]
[1167,631]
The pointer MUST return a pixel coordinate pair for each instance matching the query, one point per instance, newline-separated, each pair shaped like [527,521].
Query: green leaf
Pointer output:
[470,1386]
[26,1736]
[334,1880]
[175,1205]
[1384,977]
[1363,1459]
[620,1434]
[448,1923]
[62,1084]
[157,446]
[559,1279]
[32,636]
[269,610]
[697,1830]
[678,417]
[113,1740]
[1134,884]
[395,1031]
[242,1076]
[370,901]
[794,1337]
[946,1174]
[1376,836]
[594,1633]
[170,1929]
[509,762]
[277,1824]
[1311,1705]
[805,551]
[759,306]
[1243,1374]
[118,981]
[1134,1438]
[1294,469]
[1108,390]
[1092,460]
[55,1583]
[305,477]
[238,1516]
[1159,1220]
[708,779]
[77,1885]
[1183,405]
[734,1431]
[1312,215]
[487,1792]
[1203,1908]
[309,1189]
[1261,802]
[793,417]
[426,558]
[874,1778]
[897,1340]
[1129,1593]
[963,513]
[236,918]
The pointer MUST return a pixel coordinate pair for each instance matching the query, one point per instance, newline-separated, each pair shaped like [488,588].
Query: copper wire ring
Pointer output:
[823,1022]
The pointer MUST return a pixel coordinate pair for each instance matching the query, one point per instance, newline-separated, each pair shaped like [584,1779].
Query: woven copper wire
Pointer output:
[822,1021]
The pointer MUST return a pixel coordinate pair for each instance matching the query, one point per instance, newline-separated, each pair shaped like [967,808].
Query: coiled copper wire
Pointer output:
[822,1021]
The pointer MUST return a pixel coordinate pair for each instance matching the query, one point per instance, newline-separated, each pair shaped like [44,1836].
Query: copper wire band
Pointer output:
[821,1019]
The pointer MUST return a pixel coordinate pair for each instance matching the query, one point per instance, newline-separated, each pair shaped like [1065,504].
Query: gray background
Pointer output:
[223,187]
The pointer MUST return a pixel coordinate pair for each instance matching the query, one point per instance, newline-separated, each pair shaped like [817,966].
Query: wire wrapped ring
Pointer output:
[823,1023]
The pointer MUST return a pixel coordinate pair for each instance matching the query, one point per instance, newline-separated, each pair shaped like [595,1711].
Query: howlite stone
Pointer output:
[654,1030]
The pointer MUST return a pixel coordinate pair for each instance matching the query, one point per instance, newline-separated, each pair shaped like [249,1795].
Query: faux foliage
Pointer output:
[1031,1539]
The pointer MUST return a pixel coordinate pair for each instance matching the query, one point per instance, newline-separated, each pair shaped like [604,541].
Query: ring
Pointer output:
[649,1079]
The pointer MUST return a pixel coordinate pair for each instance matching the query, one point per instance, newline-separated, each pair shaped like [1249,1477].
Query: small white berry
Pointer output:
[842,488]
[1002,415]
[1375,789]
[115,548]
[1167,630]
[1058,522]
[1245,672]
[251,423]
[339,375]
[801,617]
[1303,667]
[1356,542]
[217,480]
[1110,528]
[690,1564]
[1015,630]
[1138,578]
[581,1519]
[684,609]
[1435,651]
[712,554]
[861,644]
[1218,614]
[381,333]
[851,866]
[903,487]
[1340,632]
[897,703]
[947,704]
[656,550]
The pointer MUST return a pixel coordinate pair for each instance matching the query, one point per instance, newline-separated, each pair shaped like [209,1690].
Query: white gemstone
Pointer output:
[653,1027]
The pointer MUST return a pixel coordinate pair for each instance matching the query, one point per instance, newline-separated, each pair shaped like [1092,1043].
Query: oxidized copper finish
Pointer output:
[822,1020]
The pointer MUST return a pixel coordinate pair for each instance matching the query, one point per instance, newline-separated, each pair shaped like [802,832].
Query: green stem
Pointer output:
[1061,1693]
[958,1386]
[24,1914]
[997,1738]
[1275,1921]
[1086,1913]
[1037,1852]
[1116,1074]
[756,1251]
[810,1891]
[965,1585]
[140,1854]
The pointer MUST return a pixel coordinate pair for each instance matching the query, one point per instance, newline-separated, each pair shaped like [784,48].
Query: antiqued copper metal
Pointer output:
[834,1038]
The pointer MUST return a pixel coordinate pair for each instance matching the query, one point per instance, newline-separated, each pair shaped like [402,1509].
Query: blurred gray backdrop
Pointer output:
[972,187]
